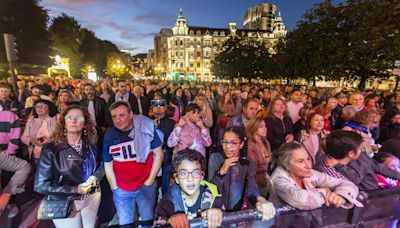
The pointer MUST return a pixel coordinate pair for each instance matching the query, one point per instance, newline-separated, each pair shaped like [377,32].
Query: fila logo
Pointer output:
[123,152]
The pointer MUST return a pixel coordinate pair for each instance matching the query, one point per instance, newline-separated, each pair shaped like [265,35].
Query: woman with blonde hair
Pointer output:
[64,97]
[362,123]
[279,123]
[259,150]
[69,171]
[205,110]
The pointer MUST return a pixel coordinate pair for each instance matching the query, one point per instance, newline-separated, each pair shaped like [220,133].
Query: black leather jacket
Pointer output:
[100,109]
[59,171]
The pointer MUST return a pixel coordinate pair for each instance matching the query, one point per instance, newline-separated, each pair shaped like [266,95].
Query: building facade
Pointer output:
[186,52]
[260,17]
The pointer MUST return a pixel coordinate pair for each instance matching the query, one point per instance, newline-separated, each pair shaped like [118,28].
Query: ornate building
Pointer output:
[261,17]
[186,52]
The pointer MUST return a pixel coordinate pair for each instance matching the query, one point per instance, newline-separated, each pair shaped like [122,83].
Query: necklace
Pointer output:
[77,147]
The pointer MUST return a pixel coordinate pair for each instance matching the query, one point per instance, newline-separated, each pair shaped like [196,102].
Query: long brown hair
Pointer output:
[89,134]
[254,124]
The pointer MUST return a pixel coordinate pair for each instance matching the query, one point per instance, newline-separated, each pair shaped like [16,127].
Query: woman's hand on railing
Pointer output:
[266,208]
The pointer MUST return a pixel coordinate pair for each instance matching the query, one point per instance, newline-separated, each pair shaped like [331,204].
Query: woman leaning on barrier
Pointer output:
[69,171]
[297,184]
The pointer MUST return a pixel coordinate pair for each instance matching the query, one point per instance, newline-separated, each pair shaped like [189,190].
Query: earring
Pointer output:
[84,132]
[65,131]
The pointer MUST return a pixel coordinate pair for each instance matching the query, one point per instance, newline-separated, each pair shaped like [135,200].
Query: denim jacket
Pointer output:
[143,133]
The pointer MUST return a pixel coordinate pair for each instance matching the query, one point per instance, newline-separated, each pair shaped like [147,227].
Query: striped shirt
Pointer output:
[10,132]
[331,171]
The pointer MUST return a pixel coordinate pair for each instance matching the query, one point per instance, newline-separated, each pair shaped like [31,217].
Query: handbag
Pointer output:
[53,208]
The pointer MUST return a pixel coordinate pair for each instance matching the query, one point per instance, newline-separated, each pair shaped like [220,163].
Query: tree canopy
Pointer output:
[27,21]
[358,39]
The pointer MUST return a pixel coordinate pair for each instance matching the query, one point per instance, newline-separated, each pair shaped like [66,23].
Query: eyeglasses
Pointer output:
[41,106]
[69,118]
[229,143]
[184,174]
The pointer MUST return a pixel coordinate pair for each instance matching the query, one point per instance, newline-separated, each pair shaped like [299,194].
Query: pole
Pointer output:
[397,84]
[14,80]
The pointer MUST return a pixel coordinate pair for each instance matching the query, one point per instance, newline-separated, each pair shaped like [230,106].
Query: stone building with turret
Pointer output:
[186,51]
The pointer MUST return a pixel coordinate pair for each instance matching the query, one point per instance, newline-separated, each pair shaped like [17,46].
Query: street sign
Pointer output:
[397,63]
[396,71]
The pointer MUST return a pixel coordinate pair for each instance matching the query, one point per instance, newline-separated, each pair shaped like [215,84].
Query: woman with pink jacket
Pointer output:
[190,132]
[311,136]
[39,127]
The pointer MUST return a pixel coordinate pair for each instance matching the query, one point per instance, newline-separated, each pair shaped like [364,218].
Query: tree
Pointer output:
[241,57]
[67,36]
[116,67]
[27,21]
[355,40]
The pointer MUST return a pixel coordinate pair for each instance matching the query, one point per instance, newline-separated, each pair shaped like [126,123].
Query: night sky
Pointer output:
[131,24]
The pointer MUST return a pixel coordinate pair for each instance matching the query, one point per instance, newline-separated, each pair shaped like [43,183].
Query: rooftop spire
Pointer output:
[180,14]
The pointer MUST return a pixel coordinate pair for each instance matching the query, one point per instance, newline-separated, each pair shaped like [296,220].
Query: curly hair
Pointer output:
[366,116]
[189,155]
[89,137]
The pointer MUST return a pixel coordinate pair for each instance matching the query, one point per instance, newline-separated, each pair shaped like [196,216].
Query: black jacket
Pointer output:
[243,175]
[100,108]
[112,100]
[145,106]
[277,130]
[59,171]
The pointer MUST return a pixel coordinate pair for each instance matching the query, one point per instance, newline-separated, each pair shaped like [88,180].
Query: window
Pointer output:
[191,65]
[181,42]
[198,64]
[222,33]
[198,32]
[191,32]
[198,53]
[215,33]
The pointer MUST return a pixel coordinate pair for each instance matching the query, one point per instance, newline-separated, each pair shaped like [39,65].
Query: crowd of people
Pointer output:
[163,152]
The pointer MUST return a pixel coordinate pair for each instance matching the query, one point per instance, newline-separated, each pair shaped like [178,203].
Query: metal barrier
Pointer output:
[380,207]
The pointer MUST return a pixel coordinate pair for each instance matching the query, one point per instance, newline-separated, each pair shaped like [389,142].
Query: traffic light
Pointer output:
[11,47]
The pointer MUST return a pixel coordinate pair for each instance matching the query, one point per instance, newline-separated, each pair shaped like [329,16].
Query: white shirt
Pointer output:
[91,111]
[293,109]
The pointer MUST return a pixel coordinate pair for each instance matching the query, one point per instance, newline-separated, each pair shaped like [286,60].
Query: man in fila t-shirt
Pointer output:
[132,154]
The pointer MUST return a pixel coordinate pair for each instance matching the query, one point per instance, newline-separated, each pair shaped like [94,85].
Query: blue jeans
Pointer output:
[166,173]
[124,202]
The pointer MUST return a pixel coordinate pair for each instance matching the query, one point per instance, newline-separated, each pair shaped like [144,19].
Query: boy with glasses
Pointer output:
[190,196]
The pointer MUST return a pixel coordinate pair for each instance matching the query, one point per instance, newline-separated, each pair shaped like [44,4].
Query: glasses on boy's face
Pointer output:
[69,118]
[184,174]
[229,143]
